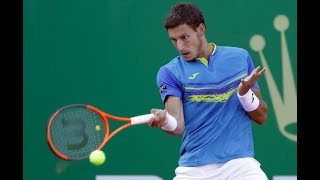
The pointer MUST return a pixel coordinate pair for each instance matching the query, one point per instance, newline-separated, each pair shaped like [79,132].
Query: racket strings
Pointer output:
[77,131]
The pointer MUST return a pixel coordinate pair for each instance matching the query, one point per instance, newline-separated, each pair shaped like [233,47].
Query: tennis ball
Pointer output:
[97,157]
[98,128]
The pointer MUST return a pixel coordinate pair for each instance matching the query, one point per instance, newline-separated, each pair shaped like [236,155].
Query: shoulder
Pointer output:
[172,64]
[171,69]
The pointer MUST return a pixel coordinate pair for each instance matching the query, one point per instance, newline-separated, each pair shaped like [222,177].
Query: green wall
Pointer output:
[107,53]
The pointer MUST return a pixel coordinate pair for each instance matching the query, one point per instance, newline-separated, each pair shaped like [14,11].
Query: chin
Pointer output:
[188,58]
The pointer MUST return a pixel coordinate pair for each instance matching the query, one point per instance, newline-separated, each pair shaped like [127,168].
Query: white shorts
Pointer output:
[236,169]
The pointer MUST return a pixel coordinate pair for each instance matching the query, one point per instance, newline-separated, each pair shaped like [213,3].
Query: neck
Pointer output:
[206,50]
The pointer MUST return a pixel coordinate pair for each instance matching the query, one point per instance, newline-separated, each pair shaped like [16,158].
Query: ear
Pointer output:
[201,29]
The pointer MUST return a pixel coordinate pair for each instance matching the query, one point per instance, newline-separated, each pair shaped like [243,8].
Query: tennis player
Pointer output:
[211,97]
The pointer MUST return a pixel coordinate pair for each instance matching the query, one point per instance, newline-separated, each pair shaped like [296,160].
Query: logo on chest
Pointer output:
[194,75]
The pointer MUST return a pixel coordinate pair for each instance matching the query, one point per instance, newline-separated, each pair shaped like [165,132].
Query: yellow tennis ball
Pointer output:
[97,157]
[98,128]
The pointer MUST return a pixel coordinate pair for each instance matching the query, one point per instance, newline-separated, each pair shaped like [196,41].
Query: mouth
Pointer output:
[185,54]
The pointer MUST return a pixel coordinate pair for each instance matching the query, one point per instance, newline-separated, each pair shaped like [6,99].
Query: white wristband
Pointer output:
[249,101]
[171,123]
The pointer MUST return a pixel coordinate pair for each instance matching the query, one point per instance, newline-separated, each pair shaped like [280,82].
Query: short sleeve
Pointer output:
[168,84]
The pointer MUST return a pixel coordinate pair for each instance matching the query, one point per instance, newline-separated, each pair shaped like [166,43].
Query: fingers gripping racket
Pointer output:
[74,131]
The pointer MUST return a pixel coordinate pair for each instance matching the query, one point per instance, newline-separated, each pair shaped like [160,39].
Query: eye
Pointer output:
[185,37]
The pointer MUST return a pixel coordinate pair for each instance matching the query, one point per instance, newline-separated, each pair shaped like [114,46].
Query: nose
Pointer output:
[180,45]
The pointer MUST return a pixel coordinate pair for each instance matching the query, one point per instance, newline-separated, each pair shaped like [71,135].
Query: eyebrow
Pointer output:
[184,34]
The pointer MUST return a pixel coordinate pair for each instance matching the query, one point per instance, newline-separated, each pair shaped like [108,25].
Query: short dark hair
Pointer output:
[184,13]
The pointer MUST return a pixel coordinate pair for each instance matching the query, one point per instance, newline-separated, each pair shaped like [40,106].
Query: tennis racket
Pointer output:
[74,131]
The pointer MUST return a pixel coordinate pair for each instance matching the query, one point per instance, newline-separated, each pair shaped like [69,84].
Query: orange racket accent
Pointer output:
[105,116]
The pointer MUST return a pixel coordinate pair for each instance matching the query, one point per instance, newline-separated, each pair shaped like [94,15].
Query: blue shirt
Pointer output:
[217,128]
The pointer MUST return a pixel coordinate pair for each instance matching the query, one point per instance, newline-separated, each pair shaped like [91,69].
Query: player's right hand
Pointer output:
[159,119]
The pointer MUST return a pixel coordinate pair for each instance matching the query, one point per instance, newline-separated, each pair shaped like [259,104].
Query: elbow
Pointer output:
[261,119]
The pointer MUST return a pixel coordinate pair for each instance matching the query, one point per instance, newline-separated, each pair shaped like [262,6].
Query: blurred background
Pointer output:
[107,54]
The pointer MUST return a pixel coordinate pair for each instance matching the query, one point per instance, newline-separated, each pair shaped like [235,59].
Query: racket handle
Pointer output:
[141,119]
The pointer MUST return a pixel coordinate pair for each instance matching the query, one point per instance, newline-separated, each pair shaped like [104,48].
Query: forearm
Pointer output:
[174,107]
[170,119]
[254,105]
[260,114]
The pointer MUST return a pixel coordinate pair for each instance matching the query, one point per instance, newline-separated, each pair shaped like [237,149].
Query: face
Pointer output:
[187,41]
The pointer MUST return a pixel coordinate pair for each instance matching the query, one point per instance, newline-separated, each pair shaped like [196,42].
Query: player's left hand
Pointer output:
[250,80]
